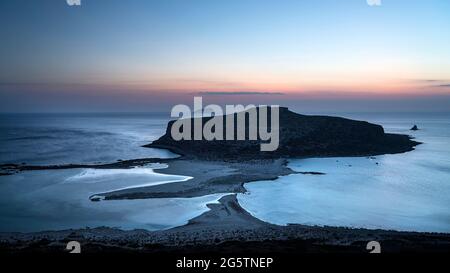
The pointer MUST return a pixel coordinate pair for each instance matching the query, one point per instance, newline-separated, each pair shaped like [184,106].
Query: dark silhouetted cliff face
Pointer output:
[300,136]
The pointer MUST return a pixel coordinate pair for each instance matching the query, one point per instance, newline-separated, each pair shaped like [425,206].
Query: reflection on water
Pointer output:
[120,179]
[59,199]
[408,191]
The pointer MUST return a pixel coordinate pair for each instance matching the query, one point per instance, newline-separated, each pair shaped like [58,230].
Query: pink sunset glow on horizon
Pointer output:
[154,55]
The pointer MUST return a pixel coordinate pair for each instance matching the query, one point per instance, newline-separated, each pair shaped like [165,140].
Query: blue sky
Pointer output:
[143,54]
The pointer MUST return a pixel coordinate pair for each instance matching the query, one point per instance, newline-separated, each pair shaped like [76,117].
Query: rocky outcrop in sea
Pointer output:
[300,136]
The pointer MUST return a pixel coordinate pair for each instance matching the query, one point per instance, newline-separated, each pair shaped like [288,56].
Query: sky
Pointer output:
[143,55]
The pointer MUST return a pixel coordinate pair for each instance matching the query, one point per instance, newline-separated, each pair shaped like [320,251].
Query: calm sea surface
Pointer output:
[408,191]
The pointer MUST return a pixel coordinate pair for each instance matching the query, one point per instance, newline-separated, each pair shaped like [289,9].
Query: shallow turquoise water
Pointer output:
[409,191]
[59,199]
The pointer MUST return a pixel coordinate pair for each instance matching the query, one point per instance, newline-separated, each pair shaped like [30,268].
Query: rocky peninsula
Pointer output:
[299,136]
[224,167]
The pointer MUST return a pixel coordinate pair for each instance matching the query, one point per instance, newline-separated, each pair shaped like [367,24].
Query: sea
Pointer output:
[406,192]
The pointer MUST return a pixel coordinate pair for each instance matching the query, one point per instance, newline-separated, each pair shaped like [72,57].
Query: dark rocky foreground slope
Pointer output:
[300,136]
